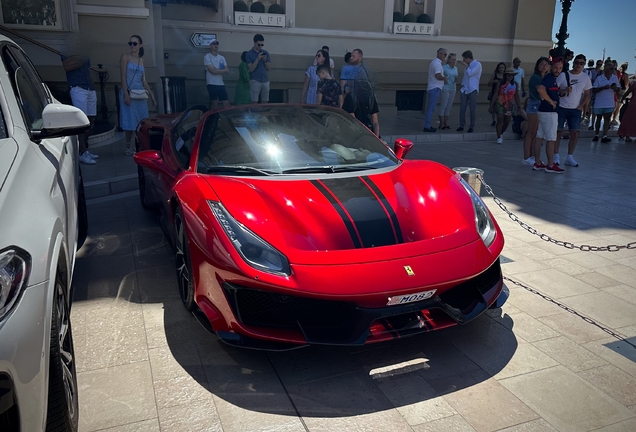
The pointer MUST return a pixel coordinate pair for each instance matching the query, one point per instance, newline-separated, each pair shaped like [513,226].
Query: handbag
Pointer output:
[138,93]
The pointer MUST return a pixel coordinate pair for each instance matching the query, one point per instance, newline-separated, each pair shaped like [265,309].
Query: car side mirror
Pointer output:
[60,120]
[148,158]
[402,147]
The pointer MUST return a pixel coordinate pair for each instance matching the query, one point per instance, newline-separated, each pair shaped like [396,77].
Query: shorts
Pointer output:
[217,92]
[86,100]
[547,125]
[533,106]
[259,88]
[570,115]
[601,111]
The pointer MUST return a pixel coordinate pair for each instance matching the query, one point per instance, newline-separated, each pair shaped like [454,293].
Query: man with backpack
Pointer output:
[360,99]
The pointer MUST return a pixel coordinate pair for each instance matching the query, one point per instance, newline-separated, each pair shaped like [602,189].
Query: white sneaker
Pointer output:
[557,159]
[86,159]
[570,161]
[94,156]
[528,162]
[499,140]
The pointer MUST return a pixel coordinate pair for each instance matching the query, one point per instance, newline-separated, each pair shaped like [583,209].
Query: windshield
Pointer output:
[287,140]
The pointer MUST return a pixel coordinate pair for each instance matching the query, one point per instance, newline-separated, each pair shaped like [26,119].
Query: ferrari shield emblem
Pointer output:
[409,271]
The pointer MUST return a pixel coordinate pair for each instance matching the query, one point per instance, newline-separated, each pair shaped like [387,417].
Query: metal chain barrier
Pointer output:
[567,308]
[545,237]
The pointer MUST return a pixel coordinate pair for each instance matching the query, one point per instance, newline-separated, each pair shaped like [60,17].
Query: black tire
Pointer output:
[183,264]
[63,407]
[143,190]
[82,214]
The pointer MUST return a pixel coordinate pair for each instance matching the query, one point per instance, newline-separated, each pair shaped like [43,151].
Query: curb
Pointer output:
[111,186]
[105,136]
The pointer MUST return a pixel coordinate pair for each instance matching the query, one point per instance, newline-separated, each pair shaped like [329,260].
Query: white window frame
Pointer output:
[437,19]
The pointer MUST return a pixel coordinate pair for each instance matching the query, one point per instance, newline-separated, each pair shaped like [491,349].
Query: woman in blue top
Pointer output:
[532,151]
[310,88]
[133,77]
[448,91]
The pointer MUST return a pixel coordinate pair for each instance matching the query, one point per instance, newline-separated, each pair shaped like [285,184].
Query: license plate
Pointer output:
[410,298]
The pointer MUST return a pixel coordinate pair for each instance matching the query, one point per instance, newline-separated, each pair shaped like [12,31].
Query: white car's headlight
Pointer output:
[254,250]
[15,265]
[483,221]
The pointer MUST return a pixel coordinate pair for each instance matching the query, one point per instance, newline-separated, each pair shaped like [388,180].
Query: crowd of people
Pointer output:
[559,100]
[353,91]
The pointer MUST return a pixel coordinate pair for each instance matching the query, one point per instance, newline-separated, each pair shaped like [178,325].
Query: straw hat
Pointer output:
[510,71]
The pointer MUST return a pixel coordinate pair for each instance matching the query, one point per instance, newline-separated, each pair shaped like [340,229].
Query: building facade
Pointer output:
[176,32]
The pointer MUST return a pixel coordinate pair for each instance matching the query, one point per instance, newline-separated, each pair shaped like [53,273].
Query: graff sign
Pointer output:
[30,12]
[259,19]
[412,28]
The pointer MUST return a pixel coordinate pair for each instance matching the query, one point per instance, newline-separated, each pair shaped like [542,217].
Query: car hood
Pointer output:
[417,208]
[8,152]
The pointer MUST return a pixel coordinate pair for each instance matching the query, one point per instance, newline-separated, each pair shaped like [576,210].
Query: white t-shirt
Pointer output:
[520,75]
[605,98]
[218,61]
[579,83]
[435,68]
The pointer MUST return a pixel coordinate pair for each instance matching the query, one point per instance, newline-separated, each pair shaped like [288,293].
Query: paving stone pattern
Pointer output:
[145,364]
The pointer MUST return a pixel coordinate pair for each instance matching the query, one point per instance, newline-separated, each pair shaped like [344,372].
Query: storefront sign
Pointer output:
[412,28]
[259,19]
[29,14]
[202,39]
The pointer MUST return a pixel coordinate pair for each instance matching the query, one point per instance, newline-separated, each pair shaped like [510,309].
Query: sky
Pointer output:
[597,24]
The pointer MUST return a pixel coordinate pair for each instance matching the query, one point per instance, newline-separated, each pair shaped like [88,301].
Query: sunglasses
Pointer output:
[582,63]
[133,43]
[261,44]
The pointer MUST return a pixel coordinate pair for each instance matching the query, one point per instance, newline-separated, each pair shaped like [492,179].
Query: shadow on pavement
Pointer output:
[128,264]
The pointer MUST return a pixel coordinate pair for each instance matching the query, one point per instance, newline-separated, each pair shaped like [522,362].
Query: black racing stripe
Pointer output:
[387,206]
[336,205]
[365,210]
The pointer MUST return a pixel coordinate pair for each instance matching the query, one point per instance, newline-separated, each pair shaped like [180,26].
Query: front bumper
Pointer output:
[280,318]
[23,371]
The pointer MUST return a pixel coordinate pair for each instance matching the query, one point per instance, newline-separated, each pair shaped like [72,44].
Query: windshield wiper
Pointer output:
[236,169]
[327,169]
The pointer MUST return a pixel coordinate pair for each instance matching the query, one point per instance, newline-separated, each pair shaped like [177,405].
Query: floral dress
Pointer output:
[131,115]
[330,90]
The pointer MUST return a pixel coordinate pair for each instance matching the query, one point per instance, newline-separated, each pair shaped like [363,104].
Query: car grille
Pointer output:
[266,309]
[465,294]
[325,321]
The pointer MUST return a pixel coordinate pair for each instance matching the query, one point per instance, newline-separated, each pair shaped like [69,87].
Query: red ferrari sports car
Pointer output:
[295,225]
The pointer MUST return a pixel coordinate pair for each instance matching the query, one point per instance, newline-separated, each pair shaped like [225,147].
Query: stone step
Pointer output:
[111,186]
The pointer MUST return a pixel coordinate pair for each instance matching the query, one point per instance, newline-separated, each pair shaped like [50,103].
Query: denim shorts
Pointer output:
[601,111]
[533,106]
[571,117]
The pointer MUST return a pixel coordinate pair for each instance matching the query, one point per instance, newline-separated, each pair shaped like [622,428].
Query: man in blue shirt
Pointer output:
[548,117]
[83,96]
[259,63]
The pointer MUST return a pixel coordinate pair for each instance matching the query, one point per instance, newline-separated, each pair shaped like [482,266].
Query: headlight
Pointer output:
[15,265]
[254,250]
[485,225]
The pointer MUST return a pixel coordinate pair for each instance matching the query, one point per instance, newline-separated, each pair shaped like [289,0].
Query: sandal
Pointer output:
[628,139]
[129,151]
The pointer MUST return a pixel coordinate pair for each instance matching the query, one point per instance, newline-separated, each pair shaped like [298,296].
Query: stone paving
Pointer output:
[145,364]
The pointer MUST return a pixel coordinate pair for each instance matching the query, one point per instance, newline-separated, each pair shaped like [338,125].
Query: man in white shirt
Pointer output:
[215,67]
[516,63]
[469,90]
[436,81]
[576,85]
[605,87]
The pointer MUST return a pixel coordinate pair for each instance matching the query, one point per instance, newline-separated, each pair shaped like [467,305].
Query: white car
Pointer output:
[42,219]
